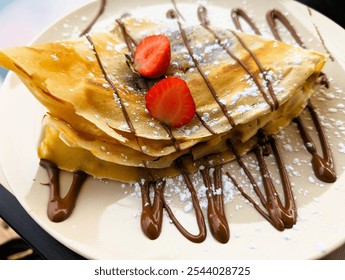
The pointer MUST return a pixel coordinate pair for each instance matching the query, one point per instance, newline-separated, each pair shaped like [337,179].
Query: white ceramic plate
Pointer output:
[106,220]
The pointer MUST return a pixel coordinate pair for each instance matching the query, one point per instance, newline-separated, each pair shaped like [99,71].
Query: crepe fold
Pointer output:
[96,117]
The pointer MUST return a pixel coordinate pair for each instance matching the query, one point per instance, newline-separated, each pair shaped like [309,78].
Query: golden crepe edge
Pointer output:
[244,134]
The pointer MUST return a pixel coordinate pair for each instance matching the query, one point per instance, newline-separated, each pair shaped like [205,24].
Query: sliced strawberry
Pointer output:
[171,102]
[152,56]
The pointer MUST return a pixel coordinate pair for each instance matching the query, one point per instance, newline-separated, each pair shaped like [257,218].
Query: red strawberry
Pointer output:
[152,56]
[171,102]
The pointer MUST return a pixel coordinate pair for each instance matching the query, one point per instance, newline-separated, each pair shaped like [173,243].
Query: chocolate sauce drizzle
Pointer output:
[131,44]
[275,104]
[281,214]
[219,225]
[176,9]
[238,13]
[172,137]
[323,166]
[113,87]
[151,221]
[152,214]
[95,19]
[205,124]
[174,15]
[272,16]
[321,38]
[59,209]
[202,15]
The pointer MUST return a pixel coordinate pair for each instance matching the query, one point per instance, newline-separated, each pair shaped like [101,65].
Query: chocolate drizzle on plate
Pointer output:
[238,13]
[279,210]
[219,225]
[272,16]
[321,38]
[59,209]
[280,215]
[152,214]
[151,217]
[323,166]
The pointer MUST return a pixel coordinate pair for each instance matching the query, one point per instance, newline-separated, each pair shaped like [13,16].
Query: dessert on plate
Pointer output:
[152,99]
[262,85]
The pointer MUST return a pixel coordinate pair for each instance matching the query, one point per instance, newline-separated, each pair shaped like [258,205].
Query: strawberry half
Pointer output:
[152,56]
[171,102]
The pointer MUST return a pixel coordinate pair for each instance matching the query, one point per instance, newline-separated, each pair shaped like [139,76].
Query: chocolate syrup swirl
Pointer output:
[323,166]
[151,218]
[95,19]
[152,214]
[176,9]
[272,16]
[130,42]
[151,221]
[238,13]
[59,209]
[263,72]
[219,226]
[201,236]
[173,14]
[112,85]
[202,15]
[172,137]
[280,215]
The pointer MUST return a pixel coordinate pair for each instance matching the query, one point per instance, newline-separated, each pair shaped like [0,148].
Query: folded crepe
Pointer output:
[96,103]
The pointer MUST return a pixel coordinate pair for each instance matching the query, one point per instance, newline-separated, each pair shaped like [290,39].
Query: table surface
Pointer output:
[10,209]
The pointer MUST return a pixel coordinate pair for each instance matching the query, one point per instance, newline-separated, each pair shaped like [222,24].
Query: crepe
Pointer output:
[251,84]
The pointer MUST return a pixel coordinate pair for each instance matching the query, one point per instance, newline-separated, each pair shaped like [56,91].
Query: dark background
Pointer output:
[333,9]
